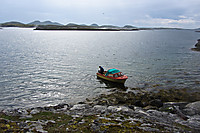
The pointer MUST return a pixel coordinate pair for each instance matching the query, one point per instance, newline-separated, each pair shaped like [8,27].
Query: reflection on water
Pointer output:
[110,84]
[40,68]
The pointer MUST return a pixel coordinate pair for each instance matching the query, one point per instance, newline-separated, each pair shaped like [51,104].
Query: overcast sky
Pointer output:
[139,13]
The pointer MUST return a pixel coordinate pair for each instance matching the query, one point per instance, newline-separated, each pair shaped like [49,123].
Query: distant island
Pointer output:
[92,27]
[37,22]
[16,24]
[48,25]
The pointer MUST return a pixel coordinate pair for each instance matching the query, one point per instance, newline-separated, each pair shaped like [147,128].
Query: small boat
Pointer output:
[113,75]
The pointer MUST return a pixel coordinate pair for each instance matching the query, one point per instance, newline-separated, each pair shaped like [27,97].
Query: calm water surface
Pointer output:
[41,68]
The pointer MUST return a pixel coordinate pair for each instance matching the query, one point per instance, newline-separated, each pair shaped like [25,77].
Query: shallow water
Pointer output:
[41,68]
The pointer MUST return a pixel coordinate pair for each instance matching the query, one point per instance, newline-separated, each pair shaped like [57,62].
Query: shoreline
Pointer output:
[134,110]
[80,29]
[61,28]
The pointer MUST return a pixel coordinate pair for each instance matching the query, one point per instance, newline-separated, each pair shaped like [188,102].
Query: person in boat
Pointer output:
[101,70]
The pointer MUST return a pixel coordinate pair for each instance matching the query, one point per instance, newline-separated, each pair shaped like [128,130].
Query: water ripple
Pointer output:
[48,68]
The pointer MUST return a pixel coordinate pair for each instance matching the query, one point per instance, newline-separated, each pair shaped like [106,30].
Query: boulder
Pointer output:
[197,45]
[192,108]
[34,111]
[78,107]
[156,102]
[100,108]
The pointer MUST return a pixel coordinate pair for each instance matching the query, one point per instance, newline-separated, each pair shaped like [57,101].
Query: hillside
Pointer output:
[92,27]
[36,23]
[32,24]
[15,24]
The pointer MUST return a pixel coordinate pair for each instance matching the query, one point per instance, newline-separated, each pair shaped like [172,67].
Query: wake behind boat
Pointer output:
[113,75]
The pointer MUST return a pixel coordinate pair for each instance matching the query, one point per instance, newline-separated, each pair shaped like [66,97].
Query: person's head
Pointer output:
[99,66]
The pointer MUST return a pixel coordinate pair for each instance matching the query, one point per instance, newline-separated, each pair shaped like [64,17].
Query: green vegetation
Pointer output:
[48,25]
[16,24]
[83,27]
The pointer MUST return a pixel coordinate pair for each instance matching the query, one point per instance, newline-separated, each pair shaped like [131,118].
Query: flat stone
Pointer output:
[78,107]
[118,108]
[99,108]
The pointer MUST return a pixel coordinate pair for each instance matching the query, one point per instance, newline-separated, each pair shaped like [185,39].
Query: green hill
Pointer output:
[15,24]
[36,23]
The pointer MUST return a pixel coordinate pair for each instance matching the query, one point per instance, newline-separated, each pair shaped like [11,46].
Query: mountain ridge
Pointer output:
[37,22]
[48,25]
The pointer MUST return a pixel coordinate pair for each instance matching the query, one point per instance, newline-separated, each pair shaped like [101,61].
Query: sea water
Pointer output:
[43,68]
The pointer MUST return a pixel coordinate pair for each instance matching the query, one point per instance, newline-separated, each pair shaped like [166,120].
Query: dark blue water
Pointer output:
[41,68]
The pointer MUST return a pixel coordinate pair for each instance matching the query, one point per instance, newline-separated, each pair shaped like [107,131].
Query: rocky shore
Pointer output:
[131,110]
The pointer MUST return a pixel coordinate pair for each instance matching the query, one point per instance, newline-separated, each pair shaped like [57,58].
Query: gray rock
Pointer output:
[169,106]
[163,117]
[34,111]
[149,129]
[38,125]
[15,112]
[194,105]
[193,122]
[99,108]
[197,45]
[61,106]
[50,122]
[118,109]
[192,108]
[113,109]
[78,107]
[40,129]
[75,116]
[26,117]
[156,102]
[23,111]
